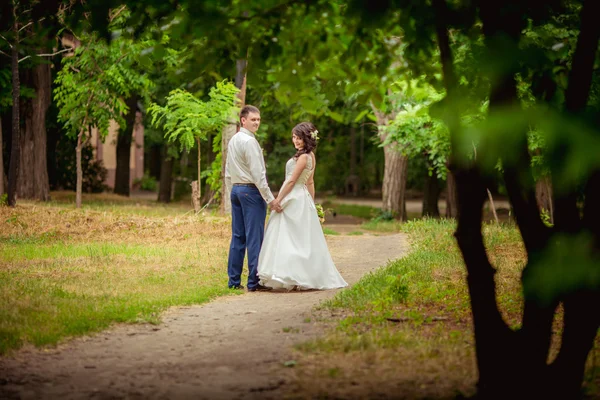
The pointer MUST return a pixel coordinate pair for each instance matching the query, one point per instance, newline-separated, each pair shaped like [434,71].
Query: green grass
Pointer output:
[328,231]
[412,317]
[67,272]
[427,285]
[365,212]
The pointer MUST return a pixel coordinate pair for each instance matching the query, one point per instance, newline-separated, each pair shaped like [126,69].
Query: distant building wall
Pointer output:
[107,151]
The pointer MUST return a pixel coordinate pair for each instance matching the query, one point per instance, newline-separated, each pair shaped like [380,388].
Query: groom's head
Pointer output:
[250,118]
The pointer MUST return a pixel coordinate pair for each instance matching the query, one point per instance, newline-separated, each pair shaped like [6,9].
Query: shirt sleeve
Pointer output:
[258,171]
[227,173]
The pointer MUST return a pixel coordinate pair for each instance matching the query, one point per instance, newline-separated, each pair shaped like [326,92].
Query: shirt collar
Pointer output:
[246,131]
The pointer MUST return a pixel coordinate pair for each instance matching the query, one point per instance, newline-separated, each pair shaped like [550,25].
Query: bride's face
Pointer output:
[298,142]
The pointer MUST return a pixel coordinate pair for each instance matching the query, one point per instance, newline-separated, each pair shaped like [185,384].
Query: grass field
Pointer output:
[409,323]
[66,272]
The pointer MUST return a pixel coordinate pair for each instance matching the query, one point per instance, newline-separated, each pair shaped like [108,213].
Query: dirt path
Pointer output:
[232,348]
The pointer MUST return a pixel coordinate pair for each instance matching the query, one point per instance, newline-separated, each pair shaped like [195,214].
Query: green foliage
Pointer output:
[383,216]
[147,182]
[187,120]
[3,200]
[92,85]
[413,131]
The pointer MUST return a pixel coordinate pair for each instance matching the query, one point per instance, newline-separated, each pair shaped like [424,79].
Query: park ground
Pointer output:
[126,299]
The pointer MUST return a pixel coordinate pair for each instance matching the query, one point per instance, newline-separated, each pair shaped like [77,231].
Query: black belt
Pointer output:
[245,184]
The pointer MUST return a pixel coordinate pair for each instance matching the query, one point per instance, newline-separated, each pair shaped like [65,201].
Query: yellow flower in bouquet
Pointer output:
[320,213]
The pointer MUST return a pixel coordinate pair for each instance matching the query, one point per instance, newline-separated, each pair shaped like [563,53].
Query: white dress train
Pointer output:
[294,251]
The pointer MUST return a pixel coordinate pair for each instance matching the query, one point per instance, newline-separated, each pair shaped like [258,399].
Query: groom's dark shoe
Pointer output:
[237,287]
[259,288]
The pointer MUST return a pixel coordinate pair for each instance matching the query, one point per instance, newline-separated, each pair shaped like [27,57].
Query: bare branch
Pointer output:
[7,55]
[50,54]
[10,44]
[116,14]
[25,26]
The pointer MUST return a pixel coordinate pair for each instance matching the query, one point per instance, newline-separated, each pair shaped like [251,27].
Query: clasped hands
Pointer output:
[275,206]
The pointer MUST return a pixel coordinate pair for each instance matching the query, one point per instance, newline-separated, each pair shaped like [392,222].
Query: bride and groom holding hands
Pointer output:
[292,252]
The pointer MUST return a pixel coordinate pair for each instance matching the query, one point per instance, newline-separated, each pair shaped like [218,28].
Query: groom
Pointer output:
[250,194]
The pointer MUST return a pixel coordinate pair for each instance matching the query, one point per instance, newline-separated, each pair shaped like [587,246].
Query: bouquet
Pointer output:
[320,213]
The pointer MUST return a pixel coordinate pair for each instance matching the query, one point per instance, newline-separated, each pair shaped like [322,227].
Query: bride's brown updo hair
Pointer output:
[308,133]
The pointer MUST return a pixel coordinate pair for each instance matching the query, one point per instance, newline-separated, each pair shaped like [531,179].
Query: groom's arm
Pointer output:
[258,171]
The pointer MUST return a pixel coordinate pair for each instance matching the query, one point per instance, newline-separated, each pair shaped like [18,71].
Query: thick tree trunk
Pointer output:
[431,196]
[394,173]
[13,169]
[229,130]
[123,169]
[166,177]
[154,161]
[33,180]
[394,182]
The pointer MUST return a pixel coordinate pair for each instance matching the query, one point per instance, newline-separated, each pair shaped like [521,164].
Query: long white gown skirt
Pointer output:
[294,251]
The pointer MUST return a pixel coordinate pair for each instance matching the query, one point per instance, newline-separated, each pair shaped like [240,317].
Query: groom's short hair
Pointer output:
[247,109]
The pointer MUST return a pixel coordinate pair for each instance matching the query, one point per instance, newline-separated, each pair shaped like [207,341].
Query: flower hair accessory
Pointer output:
[314,134]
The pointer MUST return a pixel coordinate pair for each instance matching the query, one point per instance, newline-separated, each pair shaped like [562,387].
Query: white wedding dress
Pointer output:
[294,252]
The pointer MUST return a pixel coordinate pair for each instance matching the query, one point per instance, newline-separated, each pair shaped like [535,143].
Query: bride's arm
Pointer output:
[289,185]
[310,184]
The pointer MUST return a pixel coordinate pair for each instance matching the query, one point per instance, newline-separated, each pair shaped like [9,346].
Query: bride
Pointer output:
[294,253]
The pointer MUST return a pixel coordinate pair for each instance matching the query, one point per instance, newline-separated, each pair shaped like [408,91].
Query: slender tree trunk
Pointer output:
[431,196]
[33,180]
[79,182]
[208,193]
[123,169]
[229,130]
[13,169]
[166,177]
[1,162]
[196,185]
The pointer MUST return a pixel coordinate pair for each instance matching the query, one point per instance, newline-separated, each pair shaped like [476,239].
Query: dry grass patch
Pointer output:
[66,272]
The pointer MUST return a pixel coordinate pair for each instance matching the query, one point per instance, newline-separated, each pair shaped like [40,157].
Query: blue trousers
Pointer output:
[248,213]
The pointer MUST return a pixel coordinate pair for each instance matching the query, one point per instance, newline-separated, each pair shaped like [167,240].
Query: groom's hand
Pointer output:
[275,206]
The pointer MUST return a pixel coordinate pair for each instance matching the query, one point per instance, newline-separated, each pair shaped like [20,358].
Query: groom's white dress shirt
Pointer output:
[245,163]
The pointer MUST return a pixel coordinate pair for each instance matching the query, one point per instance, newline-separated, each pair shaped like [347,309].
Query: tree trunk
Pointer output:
[13,169]
[431,196]
[394,182]
[79,183]
[394,174]
[1,162]
[198,193]
[451,202]
[208,193]
[123,169]
[229,130]
[33,180]
[166,177]
[154,161]
[543,195]
[353,180]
